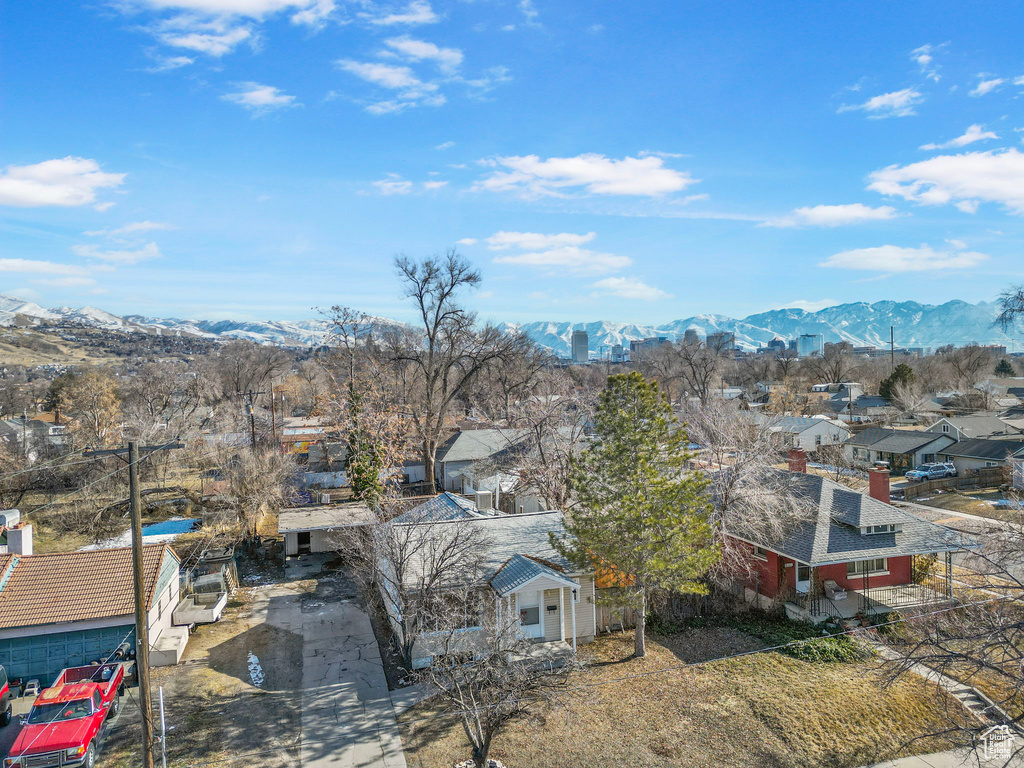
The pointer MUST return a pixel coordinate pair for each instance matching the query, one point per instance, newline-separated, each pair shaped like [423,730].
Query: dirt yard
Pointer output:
[235,693]
[762,710]
[983,503]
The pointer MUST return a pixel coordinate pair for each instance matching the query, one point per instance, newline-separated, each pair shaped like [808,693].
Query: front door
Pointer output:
[530,614]
[803,578]
[303,542]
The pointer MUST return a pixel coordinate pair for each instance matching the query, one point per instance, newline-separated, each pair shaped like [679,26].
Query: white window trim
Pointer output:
[758,556]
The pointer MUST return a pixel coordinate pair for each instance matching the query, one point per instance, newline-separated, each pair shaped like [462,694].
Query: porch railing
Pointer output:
[818,605]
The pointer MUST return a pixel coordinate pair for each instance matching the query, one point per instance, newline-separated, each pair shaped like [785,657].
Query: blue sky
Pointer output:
[600,160]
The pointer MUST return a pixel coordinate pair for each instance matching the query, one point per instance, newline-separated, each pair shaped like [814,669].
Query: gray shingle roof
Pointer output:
[445,506]
[509,535]
[982,426]
[835,514]
[479,444]
[980,448]
[520,570]
[893,440]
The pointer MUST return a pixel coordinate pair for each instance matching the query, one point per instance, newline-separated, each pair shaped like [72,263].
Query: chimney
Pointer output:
[19,540]
[879,484]
[797,460]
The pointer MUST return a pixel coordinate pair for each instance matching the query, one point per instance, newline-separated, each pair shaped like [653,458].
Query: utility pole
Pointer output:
[141,623]
[251,410]
[892,349]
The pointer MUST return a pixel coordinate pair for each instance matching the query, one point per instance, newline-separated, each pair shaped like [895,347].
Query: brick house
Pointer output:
[851,553]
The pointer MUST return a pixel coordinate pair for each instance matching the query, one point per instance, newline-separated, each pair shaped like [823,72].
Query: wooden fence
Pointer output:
[986,477]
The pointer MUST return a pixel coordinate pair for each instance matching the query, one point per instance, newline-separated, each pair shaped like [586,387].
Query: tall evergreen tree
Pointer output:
[1004,368]
[642,515]
[902,374]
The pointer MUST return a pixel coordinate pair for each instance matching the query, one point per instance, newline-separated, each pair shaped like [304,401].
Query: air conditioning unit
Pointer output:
[484,500]
[10,518]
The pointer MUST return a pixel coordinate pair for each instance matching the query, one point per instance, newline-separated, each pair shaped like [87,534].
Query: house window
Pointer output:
[945,428]
[817,439]
[760,553]
[867,567]
[892,528]
[991,464]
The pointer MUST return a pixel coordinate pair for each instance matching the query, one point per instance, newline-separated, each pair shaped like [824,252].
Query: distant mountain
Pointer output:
[861,324]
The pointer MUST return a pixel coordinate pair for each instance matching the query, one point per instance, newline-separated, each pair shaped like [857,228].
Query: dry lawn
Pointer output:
[760,711]
[980,503]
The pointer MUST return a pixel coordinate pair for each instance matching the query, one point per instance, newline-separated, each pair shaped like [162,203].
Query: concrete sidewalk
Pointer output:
[954,758]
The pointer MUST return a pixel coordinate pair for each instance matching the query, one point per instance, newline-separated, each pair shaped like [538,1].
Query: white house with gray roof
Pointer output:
[522,575]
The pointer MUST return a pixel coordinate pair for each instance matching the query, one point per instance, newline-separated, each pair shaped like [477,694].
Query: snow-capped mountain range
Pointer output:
[862,324]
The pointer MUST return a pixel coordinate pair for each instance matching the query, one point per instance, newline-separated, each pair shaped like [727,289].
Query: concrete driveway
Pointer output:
[347,717]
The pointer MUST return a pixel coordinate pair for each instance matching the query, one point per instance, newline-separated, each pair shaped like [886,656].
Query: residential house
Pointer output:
[973,454]
[901,449]
[851,405]
[74,608]
[503,491]
[444,506]
[32,437]
[468,447]
[521,575]
[976,426]
[853,552]
[320,527]
[804,432]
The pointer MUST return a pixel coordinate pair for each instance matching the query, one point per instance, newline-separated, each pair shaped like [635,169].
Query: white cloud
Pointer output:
[167,63]
[467,241]
[833,216]
[593,174]
[434,185]
[895,104]
[309,12]
[501,241]
[972,134]
[571,258]
[69,181]
[925,58]
[41,267]
[529,11]
[987,86]
[966,180]
[260,99]
[445,145]
[562,251]
[411,90]
[211,43]
[629,288]
[393,185]
[131,228]
[809,306]
[893,258]
[146,252]
[447,59]
[417,12]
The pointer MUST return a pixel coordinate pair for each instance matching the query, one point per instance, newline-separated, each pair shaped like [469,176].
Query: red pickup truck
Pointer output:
[66,719]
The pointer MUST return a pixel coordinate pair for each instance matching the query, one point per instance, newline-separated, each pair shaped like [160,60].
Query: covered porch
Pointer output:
[821,598]
[539,600]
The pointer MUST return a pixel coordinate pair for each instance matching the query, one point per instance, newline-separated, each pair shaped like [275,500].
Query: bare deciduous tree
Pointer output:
[258,481]
[494,681]
[449,351]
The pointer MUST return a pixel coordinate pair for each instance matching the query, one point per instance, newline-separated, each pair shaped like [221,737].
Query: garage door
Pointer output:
[42,657]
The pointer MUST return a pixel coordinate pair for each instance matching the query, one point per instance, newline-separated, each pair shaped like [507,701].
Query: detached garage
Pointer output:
[73,608]
[319,528]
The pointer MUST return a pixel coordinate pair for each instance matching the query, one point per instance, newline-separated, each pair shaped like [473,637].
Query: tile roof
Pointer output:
[521,569]
[74,586]
[980,448]
[831,531]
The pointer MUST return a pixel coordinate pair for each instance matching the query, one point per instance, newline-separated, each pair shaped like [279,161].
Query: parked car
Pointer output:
[5,698]
[934,471]
[67,720]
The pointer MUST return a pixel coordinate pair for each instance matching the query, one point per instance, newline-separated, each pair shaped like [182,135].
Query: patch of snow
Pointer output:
[256,670]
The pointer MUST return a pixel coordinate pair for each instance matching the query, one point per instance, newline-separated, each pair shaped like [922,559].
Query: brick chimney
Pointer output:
[797,460]
[879,484]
